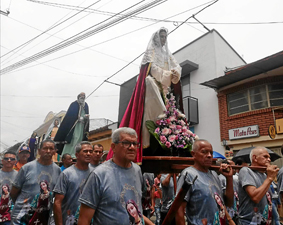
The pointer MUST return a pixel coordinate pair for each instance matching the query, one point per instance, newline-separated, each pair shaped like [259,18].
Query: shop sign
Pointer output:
[271,131]
[244,132]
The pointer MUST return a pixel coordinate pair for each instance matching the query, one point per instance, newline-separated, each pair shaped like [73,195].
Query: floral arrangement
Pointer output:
[171,129]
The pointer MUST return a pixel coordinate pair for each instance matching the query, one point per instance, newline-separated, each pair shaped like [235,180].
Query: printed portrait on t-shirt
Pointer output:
[267,212]
[219,217]
[130,199]
[135,215]
[5,203]
[38,211]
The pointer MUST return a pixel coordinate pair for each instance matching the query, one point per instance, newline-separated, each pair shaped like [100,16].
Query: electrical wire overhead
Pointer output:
[106,81]
[116,37]
[83,35]
[52,27]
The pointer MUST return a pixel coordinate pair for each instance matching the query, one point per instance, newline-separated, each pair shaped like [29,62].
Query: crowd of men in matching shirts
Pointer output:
[116,192]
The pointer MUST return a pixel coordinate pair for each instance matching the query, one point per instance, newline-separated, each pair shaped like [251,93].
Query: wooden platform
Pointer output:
[164,164]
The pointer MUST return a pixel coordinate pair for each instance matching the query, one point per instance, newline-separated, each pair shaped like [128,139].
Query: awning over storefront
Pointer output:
[247,71]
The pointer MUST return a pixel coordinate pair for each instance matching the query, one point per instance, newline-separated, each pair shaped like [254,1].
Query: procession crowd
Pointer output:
[116,191]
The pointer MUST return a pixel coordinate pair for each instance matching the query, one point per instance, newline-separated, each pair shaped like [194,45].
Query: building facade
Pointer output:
[250,102]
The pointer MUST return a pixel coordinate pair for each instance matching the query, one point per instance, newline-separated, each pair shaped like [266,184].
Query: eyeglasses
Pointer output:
[128,144]
[7,159]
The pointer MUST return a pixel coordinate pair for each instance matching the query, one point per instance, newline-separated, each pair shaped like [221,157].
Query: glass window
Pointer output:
[238,102]
[258,97]
[275,94]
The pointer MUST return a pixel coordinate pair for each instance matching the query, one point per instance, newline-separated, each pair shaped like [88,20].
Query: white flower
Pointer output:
[161,116]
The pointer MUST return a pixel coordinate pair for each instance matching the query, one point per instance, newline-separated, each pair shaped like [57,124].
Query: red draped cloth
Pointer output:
[134,113]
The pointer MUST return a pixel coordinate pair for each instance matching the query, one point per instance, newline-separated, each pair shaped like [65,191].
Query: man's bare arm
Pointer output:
[86,214]
[57,208]
[15,192]
[180,215]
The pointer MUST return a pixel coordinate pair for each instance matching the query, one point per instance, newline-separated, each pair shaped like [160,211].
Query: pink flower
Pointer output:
[190,132]
[172,126]
[179,127]
[184,129]
[172,118]
[182,122]
[163,139]
[166,131]
[168,144]
[168,121]
[172,138]
[157,130]
[158,122]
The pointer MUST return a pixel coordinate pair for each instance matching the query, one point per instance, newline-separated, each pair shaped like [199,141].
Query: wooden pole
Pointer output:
[213,167]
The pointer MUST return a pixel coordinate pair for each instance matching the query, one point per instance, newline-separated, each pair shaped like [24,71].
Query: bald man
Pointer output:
[205,200]
[254,188]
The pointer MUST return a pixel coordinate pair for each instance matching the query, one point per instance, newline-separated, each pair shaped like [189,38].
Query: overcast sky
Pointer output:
[254,28]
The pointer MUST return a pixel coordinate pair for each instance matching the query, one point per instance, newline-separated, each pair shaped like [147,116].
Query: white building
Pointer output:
[203,59]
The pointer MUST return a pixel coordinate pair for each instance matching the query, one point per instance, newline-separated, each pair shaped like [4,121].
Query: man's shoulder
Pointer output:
[29,164]
[244,171]
[280,172]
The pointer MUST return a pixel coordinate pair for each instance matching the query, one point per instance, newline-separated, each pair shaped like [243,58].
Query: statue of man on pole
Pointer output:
[74,127]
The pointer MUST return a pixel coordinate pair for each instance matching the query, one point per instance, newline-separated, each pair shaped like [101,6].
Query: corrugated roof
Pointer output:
[249,70]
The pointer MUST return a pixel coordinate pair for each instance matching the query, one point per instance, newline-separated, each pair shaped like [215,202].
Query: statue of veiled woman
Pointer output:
[159,71]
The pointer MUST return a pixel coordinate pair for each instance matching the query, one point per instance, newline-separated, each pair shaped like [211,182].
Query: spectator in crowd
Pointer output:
[254,188]
[167,185]
[70,184]
[67,161]
[148,194]
[34,178]
[113,184]
[157,179]
[157,201]
[233,211]
[204,201]
[7,176]
[96,156]
[23,156]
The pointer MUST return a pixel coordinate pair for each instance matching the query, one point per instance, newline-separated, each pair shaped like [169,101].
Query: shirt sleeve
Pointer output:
[61,185]
[92,192]
[246,178]
[180,183]
[20,179]
[280,183]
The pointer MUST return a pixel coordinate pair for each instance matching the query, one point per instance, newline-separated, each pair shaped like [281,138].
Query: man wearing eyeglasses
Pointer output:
[7,176]
[70,184]
[113,191]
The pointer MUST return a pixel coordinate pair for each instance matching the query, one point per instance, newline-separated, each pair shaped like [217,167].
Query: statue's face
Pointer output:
[81,99]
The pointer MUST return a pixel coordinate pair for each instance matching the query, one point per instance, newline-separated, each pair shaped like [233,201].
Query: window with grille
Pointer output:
[255,98]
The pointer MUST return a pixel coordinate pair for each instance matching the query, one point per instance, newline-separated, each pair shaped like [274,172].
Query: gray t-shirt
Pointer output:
[115,193]
[200,198]
[280,181]
[28,180]
[92,167]
[70,184]
[167,194]
[248,177]
[7,178]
